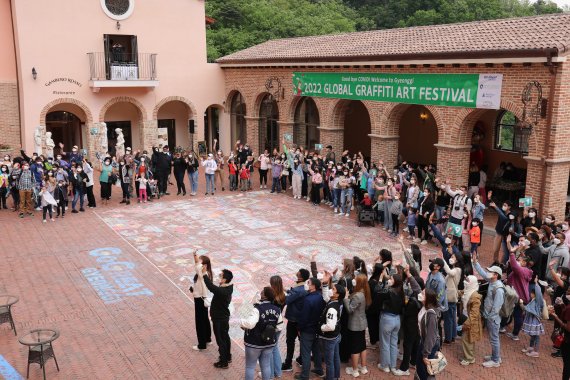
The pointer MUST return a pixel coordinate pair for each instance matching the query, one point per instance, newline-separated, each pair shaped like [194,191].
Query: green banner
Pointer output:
[452,90]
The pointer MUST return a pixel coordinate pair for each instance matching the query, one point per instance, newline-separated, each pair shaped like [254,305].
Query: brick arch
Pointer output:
[337,112]
[466,119]
[189,104]
[392,115]
[257,104]
[50,105]
[294,103]
[230,96]
[123,99]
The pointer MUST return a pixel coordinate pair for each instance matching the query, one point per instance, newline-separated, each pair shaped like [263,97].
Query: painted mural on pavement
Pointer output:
[255,235]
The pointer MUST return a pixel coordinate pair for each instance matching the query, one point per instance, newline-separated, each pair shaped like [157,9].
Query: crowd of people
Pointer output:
[411,320]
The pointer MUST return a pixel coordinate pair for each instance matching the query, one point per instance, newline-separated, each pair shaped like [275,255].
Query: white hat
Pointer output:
[495,269]
[210,155]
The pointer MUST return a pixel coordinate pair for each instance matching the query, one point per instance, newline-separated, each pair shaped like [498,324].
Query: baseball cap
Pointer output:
[438,261]
[495,269]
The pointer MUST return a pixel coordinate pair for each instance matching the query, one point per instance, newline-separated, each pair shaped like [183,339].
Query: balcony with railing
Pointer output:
[122,70]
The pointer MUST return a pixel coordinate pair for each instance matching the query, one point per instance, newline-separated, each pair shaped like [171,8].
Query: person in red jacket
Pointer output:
[244,177]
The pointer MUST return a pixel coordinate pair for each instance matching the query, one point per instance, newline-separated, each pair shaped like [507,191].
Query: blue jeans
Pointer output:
[78,196]
[389,328]
[276,362]
[493,330]
[251,357]
[336,197]
[439,210]
[332,357]
[450,321]
[421,370]
[346,200]
[210,185]
[310,343]
[193,178]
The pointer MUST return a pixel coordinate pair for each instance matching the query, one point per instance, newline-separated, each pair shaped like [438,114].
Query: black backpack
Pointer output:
[268,333]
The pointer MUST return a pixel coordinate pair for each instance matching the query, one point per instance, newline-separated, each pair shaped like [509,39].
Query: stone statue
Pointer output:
[120,145]
[103,139]
[38,135]
[49,145]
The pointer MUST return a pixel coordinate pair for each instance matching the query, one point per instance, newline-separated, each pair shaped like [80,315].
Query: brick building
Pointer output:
[264,104]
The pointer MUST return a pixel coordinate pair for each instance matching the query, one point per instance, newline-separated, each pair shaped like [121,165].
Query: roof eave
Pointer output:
[479,54]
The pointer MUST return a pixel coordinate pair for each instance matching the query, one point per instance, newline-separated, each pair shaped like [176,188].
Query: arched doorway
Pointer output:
[212,127]
[237,119]
[418,135]
[268,123]
[357,127]
[306,128]
[128,117]
[173,129]
[66,128]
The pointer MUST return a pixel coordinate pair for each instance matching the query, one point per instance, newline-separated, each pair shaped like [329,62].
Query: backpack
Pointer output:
[268,333]
[511,298]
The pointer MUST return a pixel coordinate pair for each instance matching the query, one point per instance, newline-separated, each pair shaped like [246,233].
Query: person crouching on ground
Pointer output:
[220,314]
[259,335]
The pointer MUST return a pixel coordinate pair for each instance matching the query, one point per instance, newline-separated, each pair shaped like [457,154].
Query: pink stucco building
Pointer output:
[76,68]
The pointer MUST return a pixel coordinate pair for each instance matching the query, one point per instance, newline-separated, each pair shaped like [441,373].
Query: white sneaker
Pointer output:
[424,242]
[399,372]
[491,364]
[387,369]
[351,208]
[351,371]
[502,330]
[512,336]
[335,210]
[488,358]
[347,214]
[406,229]
[195,348]
[341,213]
[362,370]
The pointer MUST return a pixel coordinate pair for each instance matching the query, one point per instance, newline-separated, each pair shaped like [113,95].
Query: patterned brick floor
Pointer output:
[114,281]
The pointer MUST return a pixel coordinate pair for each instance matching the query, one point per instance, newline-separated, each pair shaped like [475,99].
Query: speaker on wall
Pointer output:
[191,126]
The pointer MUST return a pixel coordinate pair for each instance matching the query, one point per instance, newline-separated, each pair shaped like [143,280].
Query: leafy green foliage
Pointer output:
[244,23]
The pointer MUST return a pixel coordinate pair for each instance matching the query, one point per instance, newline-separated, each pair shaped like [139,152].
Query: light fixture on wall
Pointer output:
[424,116]
[118,25]
[34,73]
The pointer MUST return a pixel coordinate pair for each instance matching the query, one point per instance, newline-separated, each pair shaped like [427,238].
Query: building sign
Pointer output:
[114,280]
[451,90]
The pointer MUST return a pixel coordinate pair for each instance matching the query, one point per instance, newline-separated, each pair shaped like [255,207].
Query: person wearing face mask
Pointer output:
[530,218]
[448,243]
[472,328]
[550,221]
[395,211]
[192,169]
[105,180]
[502,220]
[317,181]
[452,278]
[436,281]
[355,306]
[347,194]
[4,186]
[78,180]
[264,166]
[459,202]
[412,192]
[492,306]
[88,169]
[220,313]
[389,195]
[60,196]
[14,179]
[566,230]
[519,278]
[220,161]
[125,178]
[179,168]
[263,319]
[562,319]
[294,302]
[474,236]
[73,156]
[512,228]
[329,333]
[557,255]
[533,252]
[429,335]
[210,169]
[26,185]
[478,211]
[391,297]
[297,170]
[426,208]
[308,325]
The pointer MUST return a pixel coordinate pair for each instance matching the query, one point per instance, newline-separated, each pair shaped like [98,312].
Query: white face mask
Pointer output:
[320,276]
[142,159]
[505,208]
[547,220]
[556,241]
[390,282]
[475,224]
[306,287]
[511,217]
[447,241]
[421,297]
[564,227]
[531,214]
[452,261]
[353,282]
[525,243]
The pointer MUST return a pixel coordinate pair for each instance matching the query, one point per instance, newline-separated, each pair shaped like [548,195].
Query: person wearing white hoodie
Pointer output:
[210,168]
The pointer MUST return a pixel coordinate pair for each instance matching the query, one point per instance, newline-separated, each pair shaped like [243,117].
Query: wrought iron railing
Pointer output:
[122,66]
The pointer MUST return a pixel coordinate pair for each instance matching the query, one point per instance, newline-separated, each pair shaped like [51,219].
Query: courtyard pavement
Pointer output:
[114,281]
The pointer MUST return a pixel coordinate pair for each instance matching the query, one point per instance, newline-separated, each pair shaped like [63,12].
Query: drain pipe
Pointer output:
[545,154]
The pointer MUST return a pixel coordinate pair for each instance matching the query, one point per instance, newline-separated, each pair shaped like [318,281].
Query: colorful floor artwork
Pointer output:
[255,235]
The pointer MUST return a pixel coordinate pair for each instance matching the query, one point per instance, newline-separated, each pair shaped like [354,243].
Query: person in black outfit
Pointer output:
[294,301]
[409,326]
[162,162]
[179,165]
[533,252]
[220,314]
[426,206]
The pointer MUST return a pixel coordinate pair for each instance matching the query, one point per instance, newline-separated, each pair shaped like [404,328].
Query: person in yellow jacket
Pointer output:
[472,327]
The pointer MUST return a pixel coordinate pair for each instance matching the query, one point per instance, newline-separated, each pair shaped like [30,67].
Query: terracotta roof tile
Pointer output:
[524,35]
